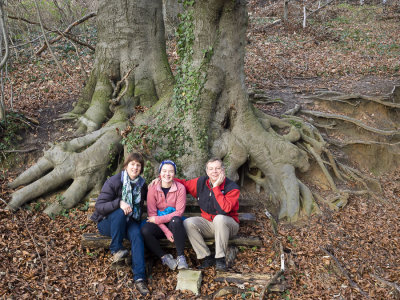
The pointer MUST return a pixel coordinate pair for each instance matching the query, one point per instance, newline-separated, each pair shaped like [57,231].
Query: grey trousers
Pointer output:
[222,228]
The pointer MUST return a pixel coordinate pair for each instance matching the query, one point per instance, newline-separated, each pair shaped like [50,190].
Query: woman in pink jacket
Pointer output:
[166,202]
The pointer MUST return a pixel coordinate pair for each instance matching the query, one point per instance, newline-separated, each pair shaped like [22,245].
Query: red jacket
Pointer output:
[228,202]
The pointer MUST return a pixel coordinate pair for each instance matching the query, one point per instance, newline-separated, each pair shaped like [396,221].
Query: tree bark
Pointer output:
[220,121]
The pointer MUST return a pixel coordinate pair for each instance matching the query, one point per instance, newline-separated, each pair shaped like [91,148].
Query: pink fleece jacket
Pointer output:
[176,197]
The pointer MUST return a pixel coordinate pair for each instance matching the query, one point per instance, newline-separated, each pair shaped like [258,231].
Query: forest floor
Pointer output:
[346,48]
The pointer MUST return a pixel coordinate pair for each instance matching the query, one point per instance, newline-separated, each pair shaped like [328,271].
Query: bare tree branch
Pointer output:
[45,38]
[66,33]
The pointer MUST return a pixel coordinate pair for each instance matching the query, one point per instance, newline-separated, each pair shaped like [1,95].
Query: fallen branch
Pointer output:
[71,37]
[267,287]
[66,34]
[317,10]
[29,22]
[391,284]
[240,278]
[346,274]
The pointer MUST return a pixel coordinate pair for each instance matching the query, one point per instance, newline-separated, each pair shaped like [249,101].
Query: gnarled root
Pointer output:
[83,160]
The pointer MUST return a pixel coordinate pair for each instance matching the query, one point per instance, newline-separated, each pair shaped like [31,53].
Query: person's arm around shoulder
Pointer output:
[190,185]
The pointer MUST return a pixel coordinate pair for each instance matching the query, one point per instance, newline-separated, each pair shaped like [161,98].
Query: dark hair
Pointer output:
[134,156]
[215,159]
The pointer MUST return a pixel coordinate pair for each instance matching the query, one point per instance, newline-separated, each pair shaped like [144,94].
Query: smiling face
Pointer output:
[167,175]
[133,168]
[213,170]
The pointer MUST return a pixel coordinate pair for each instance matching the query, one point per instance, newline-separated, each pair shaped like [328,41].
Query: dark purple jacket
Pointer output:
[110,196]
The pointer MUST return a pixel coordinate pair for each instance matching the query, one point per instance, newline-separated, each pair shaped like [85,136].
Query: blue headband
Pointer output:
[167,162]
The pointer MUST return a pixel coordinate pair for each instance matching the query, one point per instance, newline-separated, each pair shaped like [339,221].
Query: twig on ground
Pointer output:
[317,10]
[346,274]
[391,284]
[266,288]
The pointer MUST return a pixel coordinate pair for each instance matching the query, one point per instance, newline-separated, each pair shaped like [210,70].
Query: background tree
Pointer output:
[3,58]
[203,111]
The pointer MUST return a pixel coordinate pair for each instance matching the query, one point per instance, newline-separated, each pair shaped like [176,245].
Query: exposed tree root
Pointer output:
[83,160]
[308,137]
[350,98]
[342,144]
[351,120]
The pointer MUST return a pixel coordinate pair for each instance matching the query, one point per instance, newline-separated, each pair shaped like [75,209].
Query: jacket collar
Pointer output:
[173,188]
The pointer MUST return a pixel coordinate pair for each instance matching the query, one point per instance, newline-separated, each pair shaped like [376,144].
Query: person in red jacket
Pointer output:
[218,198]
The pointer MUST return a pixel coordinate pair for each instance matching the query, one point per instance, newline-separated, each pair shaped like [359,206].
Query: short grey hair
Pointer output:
[213,160]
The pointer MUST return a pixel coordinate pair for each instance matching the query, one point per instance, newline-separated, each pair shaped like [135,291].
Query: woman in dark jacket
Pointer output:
[118,212]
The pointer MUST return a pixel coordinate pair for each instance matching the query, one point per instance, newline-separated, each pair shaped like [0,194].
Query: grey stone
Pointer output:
[189,280]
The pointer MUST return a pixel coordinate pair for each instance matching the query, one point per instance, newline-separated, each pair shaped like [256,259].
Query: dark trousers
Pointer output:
[152,233]
[117,227]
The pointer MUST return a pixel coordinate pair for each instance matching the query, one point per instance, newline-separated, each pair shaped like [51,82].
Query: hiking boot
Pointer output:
[120,255]
[220,264]
[168,260]
[141,287]
[181,262]
[208,261]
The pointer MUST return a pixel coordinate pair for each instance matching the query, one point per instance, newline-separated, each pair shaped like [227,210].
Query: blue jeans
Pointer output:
[116,227]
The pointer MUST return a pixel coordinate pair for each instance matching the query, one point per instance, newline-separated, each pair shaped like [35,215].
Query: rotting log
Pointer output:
[96,240]
[242,277]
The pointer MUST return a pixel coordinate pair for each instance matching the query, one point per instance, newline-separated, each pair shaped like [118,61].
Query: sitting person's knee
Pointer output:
[188,223]
[177,220]
[220,219]
[145,230]
[117,215]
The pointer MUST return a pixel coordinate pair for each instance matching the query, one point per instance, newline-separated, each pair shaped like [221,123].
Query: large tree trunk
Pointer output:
[207,111]
[130,38]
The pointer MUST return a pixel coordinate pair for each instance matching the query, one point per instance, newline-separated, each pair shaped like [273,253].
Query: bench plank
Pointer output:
[96,240]
[243,217]
[245,204]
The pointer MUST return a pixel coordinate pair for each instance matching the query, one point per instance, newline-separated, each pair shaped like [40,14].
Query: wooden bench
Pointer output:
[96,240]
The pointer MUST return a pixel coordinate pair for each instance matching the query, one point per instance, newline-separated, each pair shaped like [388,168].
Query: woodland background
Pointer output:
[346,46]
